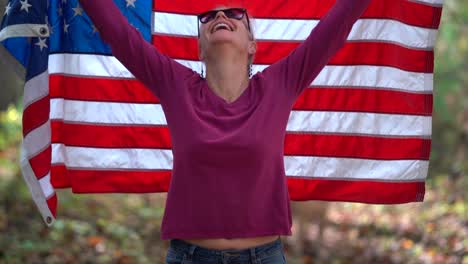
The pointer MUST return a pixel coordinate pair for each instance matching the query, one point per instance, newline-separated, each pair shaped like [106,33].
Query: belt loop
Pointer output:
[191,252]
[253,256]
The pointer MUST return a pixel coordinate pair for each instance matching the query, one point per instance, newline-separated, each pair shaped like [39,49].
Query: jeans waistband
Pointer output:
[259,251]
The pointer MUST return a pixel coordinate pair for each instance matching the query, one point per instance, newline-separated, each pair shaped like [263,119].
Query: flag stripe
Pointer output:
[340,190]
[299,189]
[347,76]
[35,115]
[47,186]
[355,169]
[60,178]
[357,147]
[364,100]
[378,30]
[35,89]
[100,89]
[40,163]
[359,123]
[111,136]
[37,140]
[421,15]
[112,158]
[297,166]
[378,54]
[316,98]
[111,181]
[326,121]
[295,144]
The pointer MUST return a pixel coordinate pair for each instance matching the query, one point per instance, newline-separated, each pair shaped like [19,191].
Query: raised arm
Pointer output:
[302,65]
[141,58]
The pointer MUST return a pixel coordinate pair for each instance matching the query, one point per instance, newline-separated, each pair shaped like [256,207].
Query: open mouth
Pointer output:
[221,26]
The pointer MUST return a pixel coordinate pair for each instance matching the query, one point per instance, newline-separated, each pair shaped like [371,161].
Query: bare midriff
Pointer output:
[233,243]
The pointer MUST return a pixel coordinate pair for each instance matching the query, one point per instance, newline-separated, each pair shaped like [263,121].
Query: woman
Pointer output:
[228,200]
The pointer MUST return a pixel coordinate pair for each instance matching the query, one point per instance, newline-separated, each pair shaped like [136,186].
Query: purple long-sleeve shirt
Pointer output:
[228,177]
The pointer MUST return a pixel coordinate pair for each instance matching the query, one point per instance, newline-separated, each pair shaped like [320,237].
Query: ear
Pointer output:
[252,47]
[201,52]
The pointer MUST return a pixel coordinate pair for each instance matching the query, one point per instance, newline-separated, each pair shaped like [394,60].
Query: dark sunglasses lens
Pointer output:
[235,13]
[207,16]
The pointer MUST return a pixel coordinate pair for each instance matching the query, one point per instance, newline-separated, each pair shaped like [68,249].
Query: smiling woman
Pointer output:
[228,199]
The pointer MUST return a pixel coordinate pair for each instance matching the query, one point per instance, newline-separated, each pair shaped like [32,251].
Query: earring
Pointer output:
[202,74]
[250,70]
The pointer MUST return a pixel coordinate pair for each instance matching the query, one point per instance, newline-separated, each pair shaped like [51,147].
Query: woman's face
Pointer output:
[223,30]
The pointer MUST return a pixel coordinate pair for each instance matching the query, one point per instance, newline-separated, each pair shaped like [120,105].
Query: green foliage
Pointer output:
[10,127]
[450,122]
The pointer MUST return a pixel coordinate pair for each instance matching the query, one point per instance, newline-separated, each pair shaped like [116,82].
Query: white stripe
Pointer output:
[300,121]
[375,77]
[337,168]
[381,30]
[348,76]
[107,113]
[157,159]
[98,158]
[46,185]
[37,140]
[36,189]
[24,30]
[87,65]
[430,2]
[359,123]
[36,89]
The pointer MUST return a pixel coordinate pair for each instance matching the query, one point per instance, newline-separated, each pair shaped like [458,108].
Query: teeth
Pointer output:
[221,25]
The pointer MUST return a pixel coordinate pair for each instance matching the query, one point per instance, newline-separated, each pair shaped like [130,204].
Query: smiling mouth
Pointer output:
[221,26]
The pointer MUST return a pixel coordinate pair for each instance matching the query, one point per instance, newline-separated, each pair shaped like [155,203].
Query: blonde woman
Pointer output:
[228,200]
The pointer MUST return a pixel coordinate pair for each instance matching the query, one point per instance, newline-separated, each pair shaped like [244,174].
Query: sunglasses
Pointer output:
[234,13]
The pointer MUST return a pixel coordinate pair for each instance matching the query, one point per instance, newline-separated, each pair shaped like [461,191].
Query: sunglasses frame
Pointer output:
[244,11]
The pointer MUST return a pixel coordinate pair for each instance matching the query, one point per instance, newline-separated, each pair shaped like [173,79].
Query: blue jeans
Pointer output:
[181,252]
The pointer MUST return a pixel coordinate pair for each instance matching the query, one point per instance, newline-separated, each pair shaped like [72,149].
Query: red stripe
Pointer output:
[52,204]
[268,52]
[356,191]
[110,136]
[84,181]
[314,99]
[59,177]
[100,89]
[364,100]
[357,147]
[35,115]
[40,164]
[295,144]
[299,189]
[408,12]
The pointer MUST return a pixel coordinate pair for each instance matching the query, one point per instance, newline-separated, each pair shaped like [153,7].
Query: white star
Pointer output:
[41,43]
[60,11]
[78,10]
[25,6]
[7,9]
[95,30]
[65,26]
[131,3]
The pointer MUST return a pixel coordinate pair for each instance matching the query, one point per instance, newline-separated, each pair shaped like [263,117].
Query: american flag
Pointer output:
[361,131]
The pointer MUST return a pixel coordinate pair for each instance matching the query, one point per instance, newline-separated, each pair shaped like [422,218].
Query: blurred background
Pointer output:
[122,228]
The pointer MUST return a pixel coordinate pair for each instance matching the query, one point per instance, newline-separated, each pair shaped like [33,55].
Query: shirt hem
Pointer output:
[181,235]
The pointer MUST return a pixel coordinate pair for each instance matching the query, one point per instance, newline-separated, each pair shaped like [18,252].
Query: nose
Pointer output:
[219,14]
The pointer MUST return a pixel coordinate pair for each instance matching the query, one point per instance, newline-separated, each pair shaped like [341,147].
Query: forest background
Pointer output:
[121,228]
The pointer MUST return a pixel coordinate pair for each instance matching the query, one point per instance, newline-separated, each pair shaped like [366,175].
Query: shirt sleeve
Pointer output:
[297,71]
[140,57]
